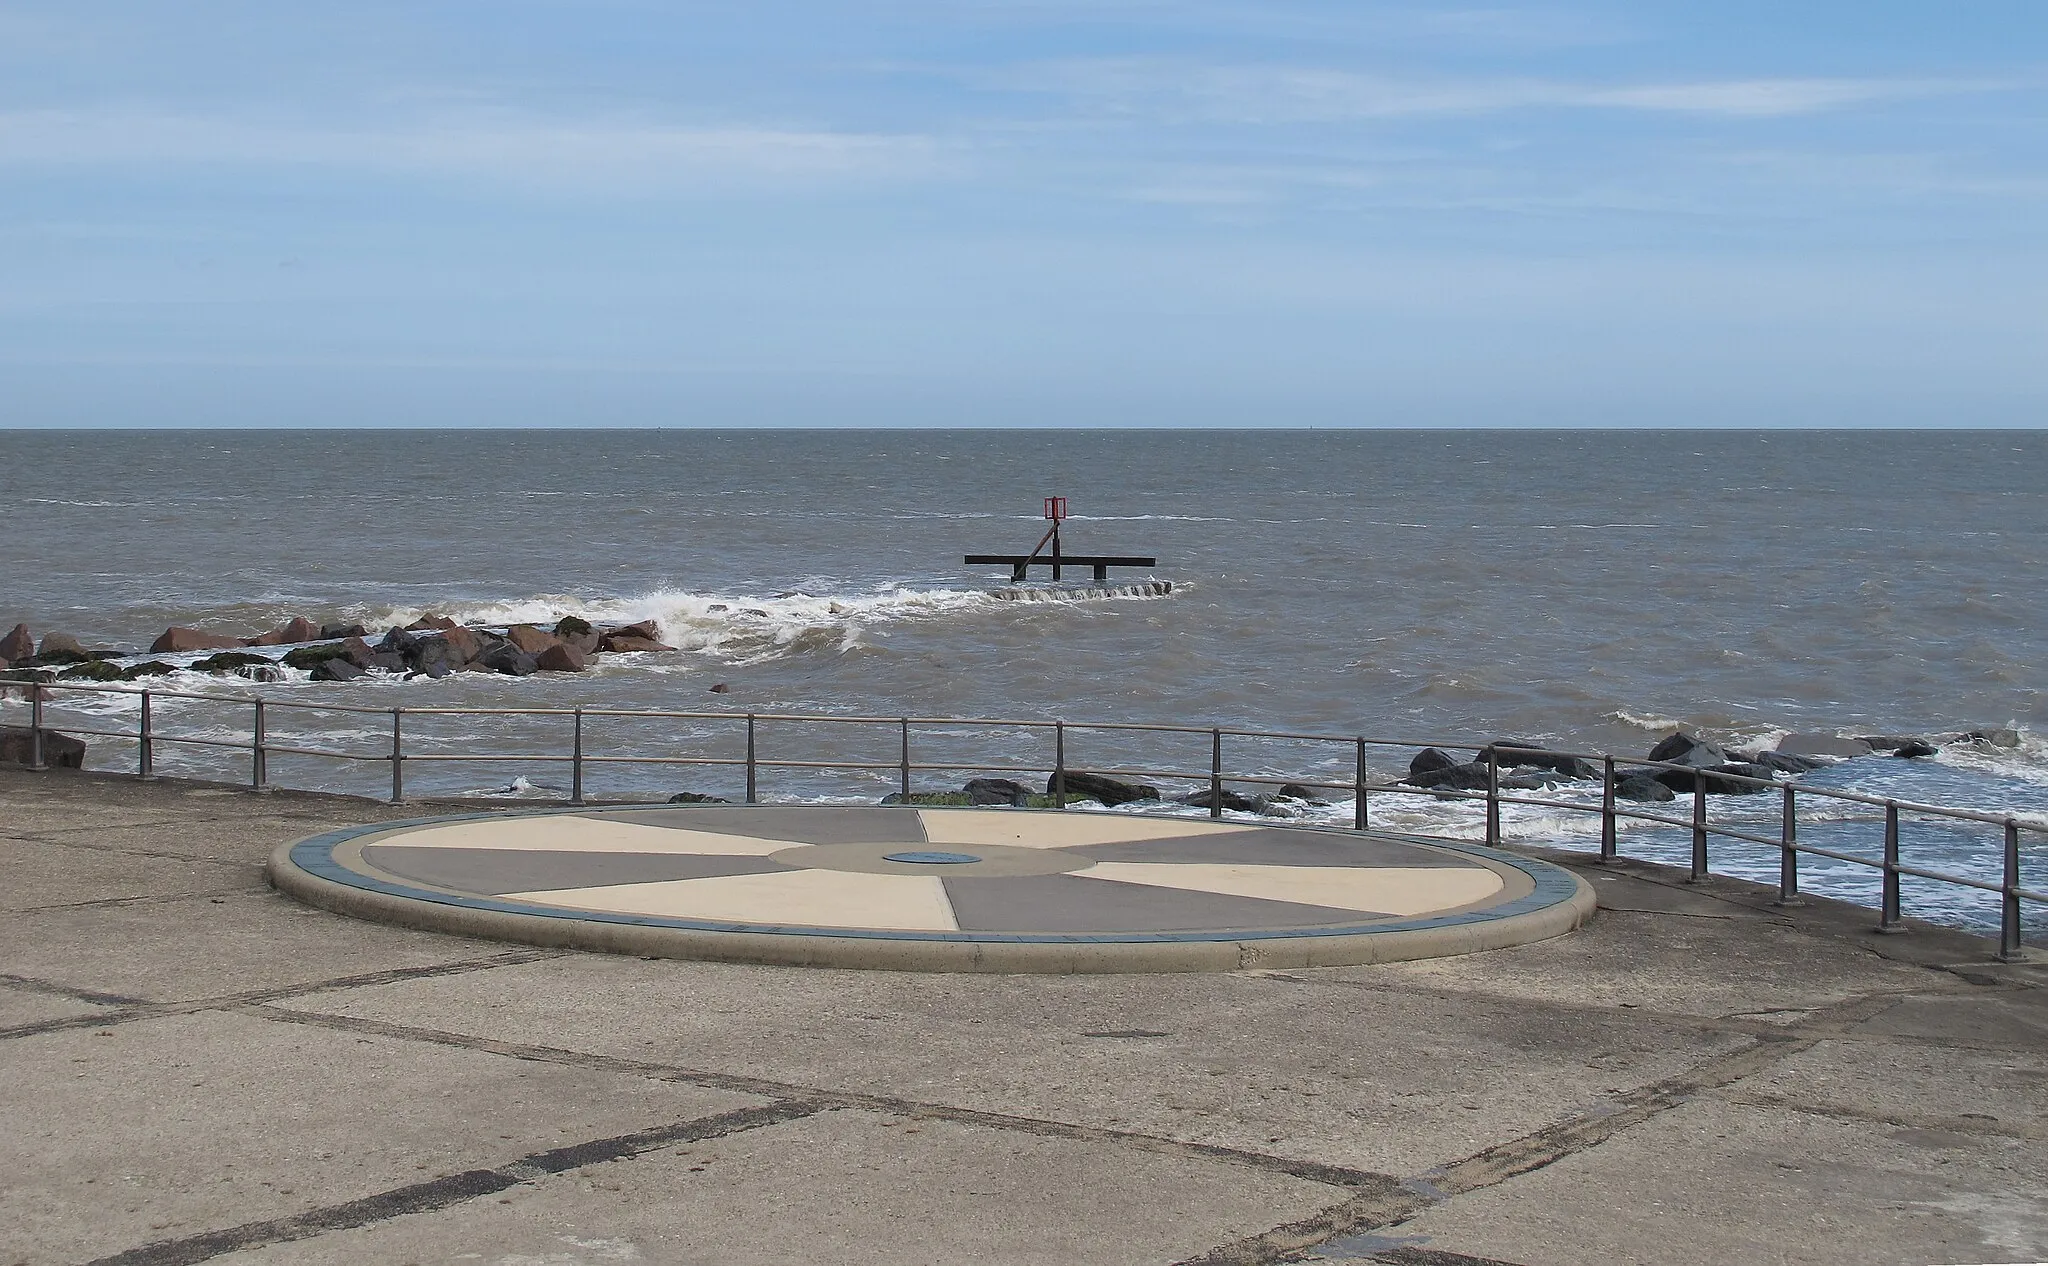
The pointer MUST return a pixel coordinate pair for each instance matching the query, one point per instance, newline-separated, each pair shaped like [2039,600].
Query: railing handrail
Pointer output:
[260,747]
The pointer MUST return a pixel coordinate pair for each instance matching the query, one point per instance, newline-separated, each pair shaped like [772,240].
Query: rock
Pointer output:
[398,640]
[1684,749]
[559,658]
[147,668]
[1991,738]
[510,660]
[60,751]
[61,644]
[335,632]
[309,657]
[1822,745]
[1295,791]
[1682,779]
[1233,801]
[1787,764]
[176,640]
[646,628]
[696,797]
[231,661]
[1535,755]
[337,668]
[997,791]
[290,633]
[625,644]
[386,662]
[1886,742]
[721,689]
[464,644]
[1916,748]
[265,671]
[431,623]
[1471,776]
[530,639]
[434,657]
[572,626]
[1430,759]
[1108,790]
[18,645]
[93,670]
[1643,787]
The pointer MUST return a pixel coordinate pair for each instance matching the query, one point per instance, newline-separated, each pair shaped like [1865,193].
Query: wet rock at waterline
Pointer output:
[176,640]
[60,751]
[1429,760]
[696,797]
[1471,776]
[1535,756]
[1822,745]
[997,791]
[1109,791]
[1684,749]
[1728,779]
[559,658]
[1645,788]
[18,645]
[1235,802]
[338,668]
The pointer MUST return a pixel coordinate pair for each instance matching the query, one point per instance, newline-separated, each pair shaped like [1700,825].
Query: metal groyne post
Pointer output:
[1889,918]
[1607,822]
[2009,949]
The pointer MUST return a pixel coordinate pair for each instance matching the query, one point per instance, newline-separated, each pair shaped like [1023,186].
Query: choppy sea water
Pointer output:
[1589,590]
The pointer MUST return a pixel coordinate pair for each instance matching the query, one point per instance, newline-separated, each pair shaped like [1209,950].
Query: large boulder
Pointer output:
[529,639]
[1471,776]
[19,644]
[1233,801]
[510,660]
[309,657]
[231,661]
[60,751]
[1918,747]
[559,657]
[433,657]
[290,633]
[61,648]
[1786,763]
[431,623]
[1536,756]
[464,642]
[1992,737]
[177,640]
[147,668]
[645,628]
[397,641]
[337,668]
[93,670]
[1822,745]
[1717,781]
[331,632]
[624,643]
[1430,759]
[997,791]
[1643,787]
[1109,791]
[1684,749]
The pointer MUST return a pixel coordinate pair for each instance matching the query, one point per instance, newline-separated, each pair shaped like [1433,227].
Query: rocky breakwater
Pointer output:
[433,646]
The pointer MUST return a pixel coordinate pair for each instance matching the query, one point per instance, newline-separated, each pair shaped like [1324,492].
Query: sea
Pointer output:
[1593,591]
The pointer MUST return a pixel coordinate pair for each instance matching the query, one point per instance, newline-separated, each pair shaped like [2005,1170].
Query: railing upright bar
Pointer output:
[259,755]
[1608,823]
[1699,826]
[904,764]
[1216,773]
[1493,797]
[1788,850]
[1359,819]
[145,742]
[2009,948]
[1059,764]
[576,760]
[753,788]
[398,756]
[1889,917]
[35,724]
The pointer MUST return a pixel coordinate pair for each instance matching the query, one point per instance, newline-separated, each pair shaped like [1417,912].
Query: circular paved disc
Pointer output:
[936,889]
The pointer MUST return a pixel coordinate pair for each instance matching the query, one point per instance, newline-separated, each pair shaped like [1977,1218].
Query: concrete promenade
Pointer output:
[196,1068]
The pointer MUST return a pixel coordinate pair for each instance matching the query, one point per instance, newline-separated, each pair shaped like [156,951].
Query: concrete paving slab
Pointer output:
[1385,1081]
[1990,1017]
[152,1130]
[207,947]
[1714,1181]
[846,1186]
[1914,1086]
[53,874]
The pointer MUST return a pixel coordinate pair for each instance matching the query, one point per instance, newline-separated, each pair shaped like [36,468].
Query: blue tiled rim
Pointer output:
[1553,886]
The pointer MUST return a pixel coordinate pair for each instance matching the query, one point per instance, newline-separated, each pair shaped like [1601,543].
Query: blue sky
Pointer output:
[1024,212]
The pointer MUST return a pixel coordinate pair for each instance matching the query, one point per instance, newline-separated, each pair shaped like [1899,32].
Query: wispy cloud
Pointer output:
[567,155]
[1171,88]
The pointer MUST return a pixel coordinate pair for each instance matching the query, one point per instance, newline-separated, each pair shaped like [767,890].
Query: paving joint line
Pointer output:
[146,898]
[1489,1167]
[1312,1171]
[54,989]
[146,1010]
[458,1188]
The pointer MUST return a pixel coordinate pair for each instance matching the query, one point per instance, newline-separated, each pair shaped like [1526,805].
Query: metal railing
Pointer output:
[579,759]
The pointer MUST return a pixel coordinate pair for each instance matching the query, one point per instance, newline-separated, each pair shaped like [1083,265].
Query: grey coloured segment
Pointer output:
[491,871]
[795,823]
[1067,903]
[1274,846]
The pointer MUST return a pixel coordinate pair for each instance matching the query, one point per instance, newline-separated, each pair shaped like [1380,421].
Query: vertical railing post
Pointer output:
[753,787]
[397,756]
[1788,851]
[1216,773]
[1359,818]
[145,742]
[1889,918]
[35,725]
[1608,822]
[1493,797]
[2009,949]
[259,754]
[1059,764]
[903,764]
[576,760]
[1699,826]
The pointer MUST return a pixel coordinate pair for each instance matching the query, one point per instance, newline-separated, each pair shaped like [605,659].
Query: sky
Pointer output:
[1023,213]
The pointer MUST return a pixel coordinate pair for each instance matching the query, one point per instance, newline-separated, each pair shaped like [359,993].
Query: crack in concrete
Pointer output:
[56,990]
[453,1189]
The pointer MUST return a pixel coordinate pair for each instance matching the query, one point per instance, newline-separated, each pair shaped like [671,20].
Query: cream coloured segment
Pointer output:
[803,898]
[560,833]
